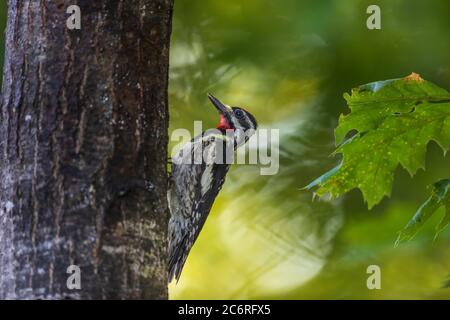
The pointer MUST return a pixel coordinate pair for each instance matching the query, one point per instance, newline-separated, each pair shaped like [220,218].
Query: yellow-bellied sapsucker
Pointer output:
[198,173]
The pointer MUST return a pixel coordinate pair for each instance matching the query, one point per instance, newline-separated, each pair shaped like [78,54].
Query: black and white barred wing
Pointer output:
[193,190]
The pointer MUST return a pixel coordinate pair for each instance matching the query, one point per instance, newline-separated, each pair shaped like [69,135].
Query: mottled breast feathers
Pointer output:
[192,191]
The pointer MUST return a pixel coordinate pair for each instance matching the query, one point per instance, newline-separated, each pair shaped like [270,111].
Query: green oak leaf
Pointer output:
[394,121]
[440,197]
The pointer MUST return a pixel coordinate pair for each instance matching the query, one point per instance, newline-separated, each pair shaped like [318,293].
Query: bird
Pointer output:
[198,173]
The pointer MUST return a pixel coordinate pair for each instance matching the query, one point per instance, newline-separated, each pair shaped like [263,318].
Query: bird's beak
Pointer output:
[223,108]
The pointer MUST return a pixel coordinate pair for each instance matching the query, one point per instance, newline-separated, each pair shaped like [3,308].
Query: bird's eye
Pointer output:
[239,113]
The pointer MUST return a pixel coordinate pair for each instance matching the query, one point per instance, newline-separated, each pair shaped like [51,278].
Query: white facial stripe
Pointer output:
[236,123]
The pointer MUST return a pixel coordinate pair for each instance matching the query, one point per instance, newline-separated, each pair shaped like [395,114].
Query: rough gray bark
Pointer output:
[83,150]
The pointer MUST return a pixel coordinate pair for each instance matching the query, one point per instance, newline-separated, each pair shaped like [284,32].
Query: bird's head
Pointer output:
[233,118]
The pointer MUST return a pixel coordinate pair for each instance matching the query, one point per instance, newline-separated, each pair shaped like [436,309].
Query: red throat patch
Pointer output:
[223,123]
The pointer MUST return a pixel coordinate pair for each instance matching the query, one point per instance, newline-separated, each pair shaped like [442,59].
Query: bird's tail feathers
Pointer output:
[178,253]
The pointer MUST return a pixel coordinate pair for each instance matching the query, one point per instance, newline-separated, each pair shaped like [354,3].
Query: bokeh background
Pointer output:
[289,62]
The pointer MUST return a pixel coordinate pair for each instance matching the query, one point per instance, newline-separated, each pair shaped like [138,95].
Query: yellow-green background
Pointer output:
[289,62]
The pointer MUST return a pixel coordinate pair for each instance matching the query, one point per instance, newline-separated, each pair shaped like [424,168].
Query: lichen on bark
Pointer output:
[83,150]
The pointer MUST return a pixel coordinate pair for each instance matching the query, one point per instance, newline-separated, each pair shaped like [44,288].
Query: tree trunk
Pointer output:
[83,150]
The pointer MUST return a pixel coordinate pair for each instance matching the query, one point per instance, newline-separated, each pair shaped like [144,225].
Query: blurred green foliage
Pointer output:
[289,63]
[440,197]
